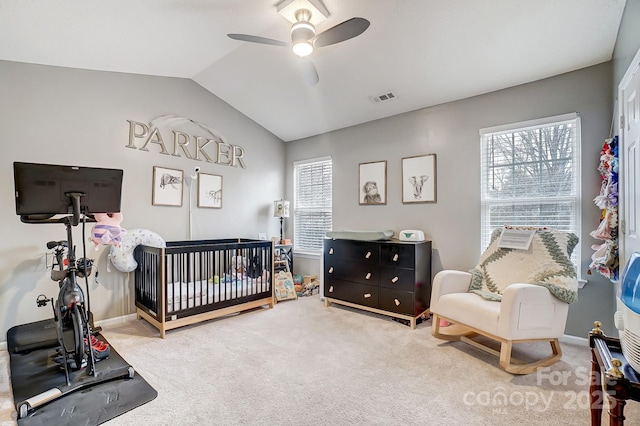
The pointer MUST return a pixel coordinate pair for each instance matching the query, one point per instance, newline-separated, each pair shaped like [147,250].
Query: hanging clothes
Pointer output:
[605,258]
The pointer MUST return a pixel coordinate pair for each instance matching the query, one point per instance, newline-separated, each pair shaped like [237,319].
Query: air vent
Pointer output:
[385,97]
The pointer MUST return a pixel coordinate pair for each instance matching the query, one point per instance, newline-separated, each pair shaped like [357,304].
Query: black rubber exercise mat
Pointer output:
[88,400]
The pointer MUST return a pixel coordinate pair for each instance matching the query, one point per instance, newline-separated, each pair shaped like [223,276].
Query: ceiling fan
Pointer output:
[304,39]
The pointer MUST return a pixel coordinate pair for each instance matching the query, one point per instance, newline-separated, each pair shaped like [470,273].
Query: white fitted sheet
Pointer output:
[182,295]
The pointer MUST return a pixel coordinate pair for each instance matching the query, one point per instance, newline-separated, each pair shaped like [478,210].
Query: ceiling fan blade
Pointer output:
[348,29]
[308,71]
[256,39]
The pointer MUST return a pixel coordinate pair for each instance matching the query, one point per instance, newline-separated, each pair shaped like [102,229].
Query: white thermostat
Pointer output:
[411,235]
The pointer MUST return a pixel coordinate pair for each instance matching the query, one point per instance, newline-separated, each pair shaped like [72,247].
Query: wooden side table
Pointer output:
[612,375]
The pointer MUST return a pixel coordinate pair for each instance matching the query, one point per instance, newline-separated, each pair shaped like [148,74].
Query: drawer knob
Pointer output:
[331,270]
[397,302]
[394,280]
[368,255]
[331,250]
[368,276]
[331,289]
[367,295]
[395,257]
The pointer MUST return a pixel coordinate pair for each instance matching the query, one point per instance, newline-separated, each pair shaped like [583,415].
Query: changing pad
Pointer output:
[361,235]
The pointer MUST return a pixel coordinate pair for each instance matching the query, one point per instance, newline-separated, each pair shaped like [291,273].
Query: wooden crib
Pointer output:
[192,281]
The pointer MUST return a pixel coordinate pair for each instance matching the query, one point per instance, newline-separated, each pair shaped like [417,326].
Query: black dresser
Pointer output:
[386,277]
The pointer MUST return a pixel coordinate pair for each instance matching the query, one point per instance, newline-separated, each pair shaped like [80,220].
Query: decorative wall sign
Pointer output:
[167,187]
[209,191]
[372,185]
[419,179]
[161,133]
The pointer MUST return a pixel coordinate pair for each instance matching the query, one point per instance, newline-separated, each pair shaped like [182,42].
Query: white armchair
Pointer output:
[526,313]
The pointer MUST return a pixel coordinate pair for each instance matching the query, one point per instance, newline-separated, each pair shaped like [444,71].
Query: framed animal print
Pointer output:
[167,187]
[209,191]
[419,179]
[372,185]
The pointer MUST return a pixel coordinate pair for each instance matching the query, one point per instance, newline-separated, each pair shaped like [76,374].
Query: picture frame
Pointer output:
[167,187]
[283,287]
[209,191]
[372,183]
[419,179]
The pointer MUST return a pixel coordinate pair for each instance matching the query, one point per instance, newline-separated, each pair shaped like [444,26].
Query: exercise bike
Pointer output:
[73,324]
[72,315]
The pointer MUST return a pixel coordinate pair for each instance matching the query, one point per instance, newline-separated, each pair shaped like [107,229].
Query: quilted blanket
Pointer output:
[547,263]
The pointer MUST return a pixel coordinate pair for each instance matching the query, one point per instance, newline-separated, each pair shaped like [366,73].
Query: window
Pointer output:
[311,204]
[530,175]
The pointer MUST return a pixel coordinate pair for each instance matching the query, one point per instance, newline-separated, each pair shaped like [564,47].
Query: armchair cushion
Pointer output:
[547,263]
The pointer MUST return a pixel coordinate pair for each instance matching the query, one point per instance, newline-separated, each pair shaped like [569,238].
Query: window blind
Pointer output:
[530,175]
[312,204]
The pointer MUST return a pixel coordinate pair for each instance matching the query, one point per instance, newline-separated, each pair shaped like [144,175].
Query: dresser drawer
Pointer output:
[352,251]
[397,278]
[401,302]
[364,273]
[361,294]
[398,255]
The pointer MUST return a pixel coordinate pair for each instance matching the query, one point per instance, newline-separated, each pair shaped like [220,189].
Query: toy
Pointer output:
[283,287]
[239,266]
[122,255]
[107,229]
[310,286]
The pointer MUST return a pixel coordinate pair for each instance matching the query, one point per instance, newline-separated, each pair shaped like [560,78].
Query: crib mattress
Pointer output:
[185,295]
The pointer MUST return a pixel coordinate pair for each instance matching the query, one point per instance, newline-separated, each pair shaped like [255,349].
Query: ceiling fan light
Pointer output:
[301,35]
[303,49]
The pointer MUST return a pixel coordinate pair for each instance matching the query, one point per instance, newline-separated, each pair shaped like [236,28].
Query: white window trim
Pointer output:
[526,125]
[307,253]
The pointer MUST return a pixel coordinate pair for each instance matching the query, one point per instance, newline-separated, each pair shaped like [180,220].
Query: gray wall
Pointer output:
[451,131]
[77,117]
[627,43]
[67,116]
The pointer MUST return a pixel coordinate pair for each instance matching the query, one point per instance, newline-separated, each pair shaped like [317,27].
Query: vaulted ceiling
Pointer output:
[425,52]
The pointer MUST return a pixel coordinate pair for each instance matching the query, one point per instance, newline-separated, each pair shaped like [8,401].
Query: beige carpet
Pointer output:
[303,364]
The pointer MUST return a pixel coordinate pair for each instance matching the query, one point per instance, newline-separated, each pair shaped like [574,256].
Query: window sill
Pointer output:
[307,254]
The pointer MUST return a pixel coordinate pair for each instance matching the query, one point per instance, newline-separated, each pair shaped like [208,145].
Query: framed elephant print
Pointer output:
[419,179]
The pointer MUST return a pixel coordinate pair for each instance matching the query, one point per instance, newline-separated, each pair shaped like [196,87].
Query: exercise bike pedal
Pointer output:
[70,362]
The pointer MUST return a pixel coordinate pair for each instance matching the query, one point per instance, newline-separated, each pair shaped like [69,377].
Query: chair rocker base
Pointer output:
[457,331]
